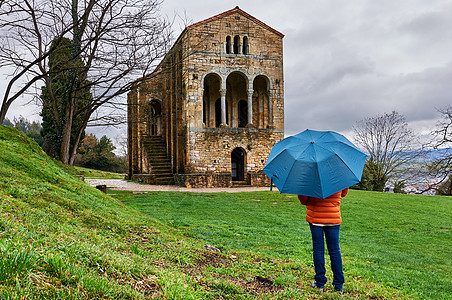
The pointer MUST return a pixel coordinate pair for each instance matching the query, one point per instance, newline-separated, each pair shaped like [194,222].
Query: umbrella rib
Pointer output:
[318,171]
[348,167]
[339,156]
[288,173]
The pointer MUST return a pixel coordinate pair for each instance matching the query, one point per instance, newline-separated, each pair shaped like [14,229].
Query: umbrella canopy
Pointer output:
[314,163]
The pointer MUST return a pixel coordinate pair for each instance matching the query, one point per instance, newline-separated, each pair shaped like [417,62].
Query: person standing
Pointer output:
[324,217]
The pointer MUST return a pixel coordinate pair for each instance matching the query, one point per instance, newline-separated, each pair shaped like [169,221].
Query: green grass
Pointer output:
[91,173]
[62,239]
[400,242]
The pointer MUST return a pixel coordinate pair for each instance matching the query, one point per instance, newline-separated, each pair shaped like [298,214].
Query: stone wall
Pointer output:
[213,147]
[204,180]
[143,178]
[259,179]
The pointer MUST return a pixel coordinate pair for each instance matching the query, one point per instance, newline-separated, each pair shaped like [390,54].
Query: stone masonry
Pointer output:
[216,101]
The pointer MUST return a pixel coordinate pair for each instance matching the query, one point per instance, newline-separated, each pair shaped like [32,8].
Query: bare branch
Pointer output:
[117,40]
[391,146]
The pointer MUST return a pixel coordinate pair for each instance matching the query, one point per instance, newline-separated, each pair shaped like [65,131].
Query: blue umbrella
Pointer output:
[314,163]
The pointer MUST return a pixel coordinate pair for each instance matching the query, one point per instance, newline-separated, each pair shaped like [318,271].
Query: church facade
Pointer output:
[211,111]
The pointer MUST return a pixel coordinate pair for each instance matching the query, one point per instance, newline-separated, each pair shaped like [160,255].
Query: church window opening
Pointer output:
[245,45]
[243,113]
[155,118]
[236,44]
[228,44]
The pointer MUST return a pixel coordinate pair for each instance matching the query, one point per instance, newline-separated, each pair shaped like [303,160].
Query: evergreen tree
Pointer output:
[54,115]
[98,154]
[31,129]
[7,122]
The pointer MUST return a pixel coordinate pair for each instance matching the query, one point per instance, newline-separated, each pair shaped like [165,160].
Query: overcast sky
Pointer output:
[347,60]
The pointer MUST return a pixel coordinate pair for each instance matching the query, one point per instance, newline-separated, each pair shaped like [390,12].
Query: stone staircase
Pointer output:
[159,162]
[243,183]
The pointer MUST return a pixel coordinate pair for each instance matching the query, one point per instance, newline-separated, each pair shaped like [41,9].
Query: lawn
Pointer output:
[389,241]
[91,173]
[62,239]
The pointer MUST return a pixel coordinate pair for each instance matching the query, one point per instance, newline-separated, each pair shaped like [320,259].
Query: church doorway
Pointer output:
[238,164]
[155,118]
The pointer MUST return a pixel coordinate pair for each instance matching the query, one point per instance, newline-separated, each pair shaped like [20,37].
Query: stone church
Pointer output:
[211,111]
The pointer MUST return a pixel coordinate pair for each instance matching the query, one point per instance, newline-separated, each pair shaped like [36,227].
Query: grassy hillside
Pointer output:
[61,239]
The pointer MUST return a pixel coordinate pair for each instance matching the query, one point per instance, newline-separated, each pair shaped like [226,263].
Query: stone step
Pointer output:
[158,159]
[236,183]
[158,156]
[161,171]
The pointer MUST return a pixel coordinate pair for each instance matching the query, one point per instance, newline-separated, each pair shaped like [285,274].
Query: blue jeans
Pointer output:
[332,241]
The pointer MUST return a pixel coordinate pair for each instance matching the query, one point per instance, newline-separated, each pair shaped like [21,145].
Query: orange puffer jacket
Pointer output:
[324,211]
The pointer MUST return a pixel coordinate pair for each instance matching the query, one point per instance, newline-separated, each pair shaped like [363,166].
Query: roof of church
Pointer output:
[226,13]
[236,10]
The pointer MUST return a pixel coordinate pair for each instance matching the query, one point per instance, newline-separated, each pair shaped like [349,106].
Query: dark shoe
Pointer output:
[338,289]
[317,286]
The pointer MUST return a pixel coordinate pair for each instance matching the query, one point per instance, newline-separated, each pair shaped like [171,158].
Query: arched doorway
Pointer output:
[155,117]
[238,164]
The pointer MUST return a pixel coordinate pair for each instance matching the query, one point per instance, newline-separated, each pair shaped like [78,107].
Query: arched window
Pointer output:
[236,44]
[243,113]
[228,44]
[245,45]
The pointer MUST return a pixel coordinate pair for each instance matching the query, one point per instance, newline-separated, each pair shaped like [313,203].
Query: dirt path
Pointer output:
[122,185]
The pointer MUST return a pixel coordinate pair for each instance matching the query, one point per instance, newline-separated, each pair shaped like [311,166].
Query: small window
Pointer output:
[245,45]
[228,44]
[236,44]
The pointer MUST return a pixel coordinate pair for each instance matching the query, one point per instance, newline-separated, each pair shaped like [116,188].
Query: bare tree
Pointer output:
[390,145]
[117,40]
[440,168]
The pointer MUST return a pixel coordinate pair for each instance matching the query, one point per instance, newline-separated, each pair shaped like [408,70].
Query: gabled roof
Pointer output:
[226,13]
[232,11]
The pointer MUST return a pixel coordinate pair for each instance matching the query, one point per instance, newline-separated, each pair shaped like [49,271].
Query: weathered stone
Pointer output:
[216,99]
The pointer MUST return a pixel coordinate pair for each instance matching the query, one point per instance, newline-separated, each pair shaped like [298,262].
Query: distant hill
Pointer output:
[432,155]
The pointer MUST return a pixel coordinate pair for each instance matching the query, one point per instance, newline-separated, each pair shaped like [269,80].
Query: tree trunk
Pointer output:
[3,111]
[66,134]
[77,142]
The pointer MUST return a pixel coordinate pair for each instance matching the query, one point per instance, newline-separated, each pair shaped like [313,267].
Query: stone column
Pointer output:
[223,106]
[250,107]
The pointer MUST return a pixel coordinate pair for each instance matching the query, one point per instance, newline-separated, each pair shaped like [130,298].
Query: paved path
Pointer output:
[122,185]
